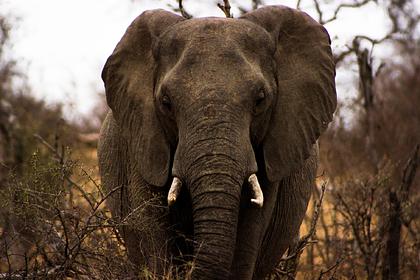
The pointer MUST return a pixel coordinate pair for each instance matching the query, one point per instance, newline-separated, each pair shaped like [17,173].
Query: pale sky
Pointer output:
[62,45]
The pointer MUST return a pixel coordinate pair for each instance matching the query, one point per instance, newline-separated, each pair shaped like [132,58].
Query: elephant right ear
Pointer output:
[129,83]
[306,97]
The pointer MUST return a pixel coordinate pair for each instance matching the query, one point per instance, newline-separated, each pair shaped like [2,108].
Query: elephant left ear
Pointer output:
[306,97]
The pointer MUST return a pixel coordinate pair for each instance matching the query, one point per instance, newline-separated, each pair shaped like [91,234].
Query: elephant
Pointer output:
[210,144]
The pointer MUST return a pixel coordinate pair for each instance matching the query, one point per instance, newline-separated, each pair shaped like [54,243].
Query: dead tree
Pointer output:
[390,266]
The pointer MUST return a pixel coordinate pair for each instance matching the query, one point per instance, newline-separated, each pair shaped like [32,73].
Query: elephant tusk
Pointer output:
[258,197]
[174,191]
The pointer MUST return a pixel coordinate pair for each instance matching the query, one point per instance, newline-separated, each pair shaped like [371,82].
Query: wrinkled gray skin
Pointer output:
[212,101]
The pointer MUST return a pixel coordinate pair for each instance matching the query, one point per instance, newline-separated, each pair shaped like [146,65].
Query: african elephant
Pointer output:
[219,118]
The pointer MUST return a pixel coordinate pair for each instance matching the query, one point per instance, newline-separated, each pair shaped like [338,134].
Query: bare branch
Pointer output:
[288,265]
[256,3]
[409,173]
[183,12]
[225,7]
[319,11]
[392,34]
[336,11]
[331,268]
[298,4]
[312,231]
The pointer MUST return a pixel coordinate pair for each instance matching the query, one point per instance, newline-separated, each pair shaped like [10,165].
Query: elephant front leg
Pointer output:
[146,227]
[291,203]
[253,223]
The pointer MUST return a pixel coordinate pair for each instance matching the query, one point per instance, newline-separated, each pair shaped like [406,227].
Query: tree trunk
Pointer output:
[390,266]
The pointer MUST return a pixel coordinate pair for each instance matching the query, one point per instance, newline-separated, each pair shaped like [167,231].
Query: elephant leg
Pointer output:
[291,204]
[144,226]
[138,208]
[253,223]
[147,226]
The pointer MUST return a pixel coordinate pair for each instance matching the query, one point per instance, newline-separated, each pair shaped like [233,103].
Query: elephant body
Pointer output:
[213,102]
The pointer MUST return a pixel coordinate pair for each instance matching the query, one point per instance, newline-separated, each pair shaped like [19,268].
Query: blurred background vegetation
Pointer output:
[54,223]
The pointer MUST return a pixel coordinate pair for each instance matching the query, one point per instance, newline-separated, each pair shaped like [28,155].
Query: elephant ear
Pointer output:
[306,97]
[129,82]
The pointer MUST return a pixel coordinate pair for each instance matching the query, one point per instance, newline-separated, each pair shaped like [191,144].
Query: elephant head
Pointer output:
[201,101]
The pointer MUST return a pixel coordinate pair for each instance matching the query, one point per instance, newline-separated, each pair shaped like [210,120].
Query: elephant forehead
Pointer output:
[199,71]
[209,37]
[216,50]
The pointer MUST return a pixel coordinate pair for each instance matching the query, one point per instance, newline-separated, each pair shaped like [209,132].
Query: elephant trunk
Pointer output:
[213,158]
[214,179]
[215,208]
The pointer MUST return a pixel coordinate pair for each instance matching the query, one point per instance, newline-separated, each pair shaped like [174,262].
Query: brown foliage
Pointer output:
[367,163]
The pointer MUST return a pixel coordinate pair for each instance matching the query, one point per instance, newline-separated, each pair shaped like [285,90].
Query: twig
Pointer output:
[312,231]
[333,267]
[336,11]
[51,148]
[391,35]
[23,274]
[225,7]
[9,264]
[60,159]
[85,173]
[183,12]
[76,249]
[288,265]
[256,3]
[409,173]
[65,231]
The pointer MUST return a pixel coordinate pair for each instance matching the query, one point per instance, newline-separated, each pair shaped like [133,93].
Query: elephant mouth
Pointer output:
[257,197]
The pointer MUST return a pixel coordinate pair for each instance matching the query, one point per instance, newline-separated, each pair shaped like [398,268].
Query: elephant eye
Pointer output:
[166,102]
[260,104]
[260,98]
